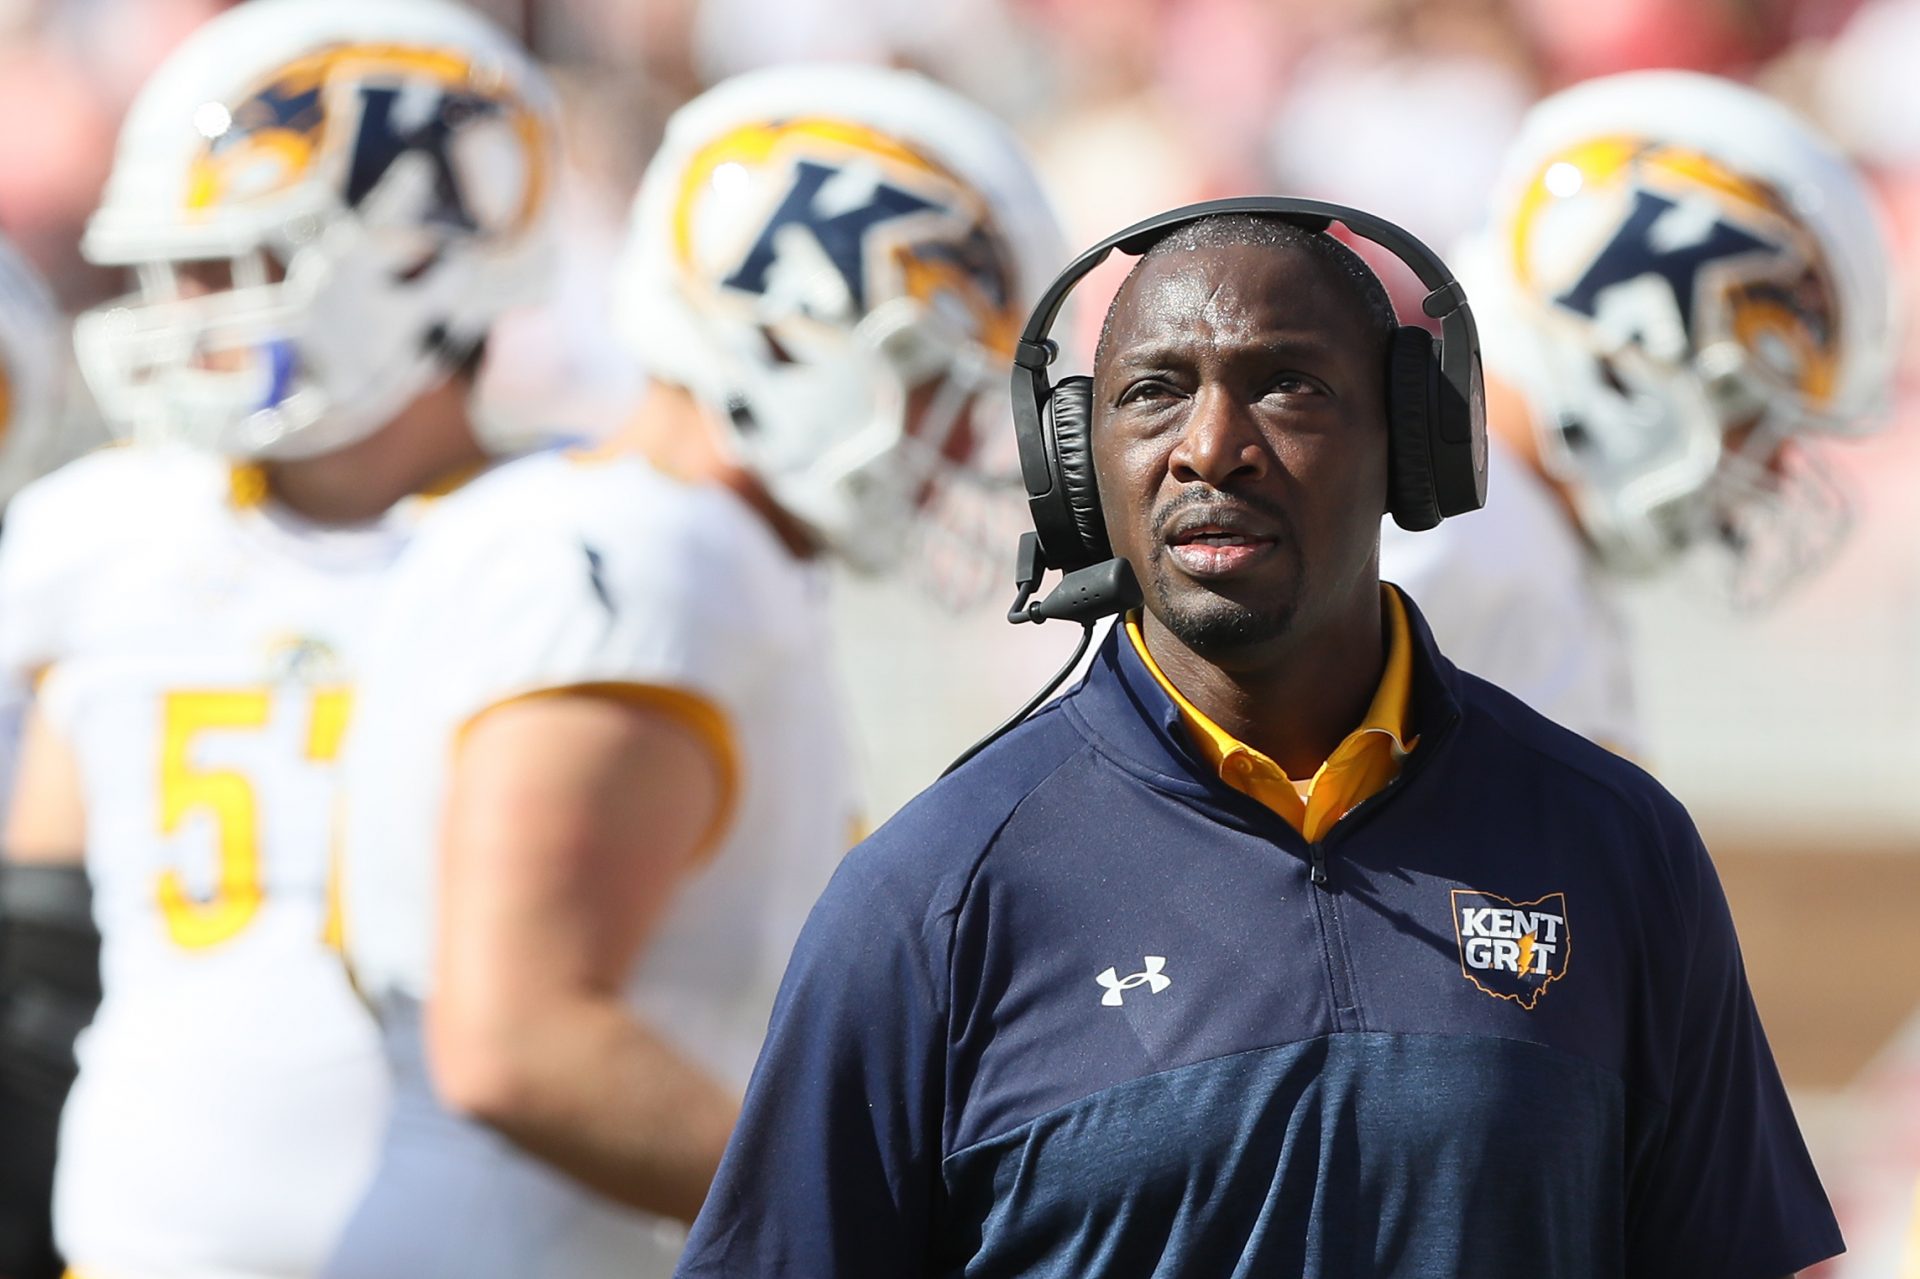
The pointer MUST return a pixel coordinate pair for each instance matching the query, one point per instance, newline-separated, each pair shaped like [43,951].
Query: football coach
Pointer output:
[1278,946]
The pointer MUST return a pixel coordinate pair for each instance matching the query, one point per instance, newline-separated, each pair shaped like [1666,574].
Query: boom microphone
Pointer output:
[1089,594]
[1084,596]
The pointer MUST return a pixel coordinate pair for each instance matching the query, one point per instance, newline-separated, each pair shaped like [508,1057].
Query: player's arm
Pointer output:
[46,816]
[49,982]
[570,821]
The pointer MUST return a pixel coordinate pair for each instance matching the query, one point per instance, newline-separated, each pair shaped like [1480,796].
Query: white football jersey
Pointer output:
[556,571]
[193,646]
[1513,596]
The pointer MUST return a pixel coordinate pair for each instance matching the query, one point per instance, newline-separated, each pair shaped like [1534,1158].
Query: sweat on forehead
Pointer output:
[1233,230]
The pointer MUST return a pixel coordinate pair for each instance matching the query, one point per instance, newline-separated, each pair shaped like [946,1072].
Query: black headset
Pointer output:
[1436,421]
[1437,442]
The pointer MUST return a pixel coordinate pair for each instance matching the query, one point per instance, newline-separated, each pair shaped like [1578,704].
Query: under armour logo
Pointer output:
[1150,977]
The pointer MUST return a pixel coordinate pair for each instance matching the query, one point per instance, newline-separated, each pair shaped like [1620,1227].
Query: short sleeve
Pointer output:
[834,1166]
[67,535]
[538,578]
[31,583]
[619,607]
[1724,1186]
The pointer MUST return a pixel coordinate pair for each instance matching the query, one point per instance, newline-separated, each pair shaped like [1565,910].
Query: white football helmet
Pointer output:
[368,179]
[836,260]
[33,367]
[1686,282]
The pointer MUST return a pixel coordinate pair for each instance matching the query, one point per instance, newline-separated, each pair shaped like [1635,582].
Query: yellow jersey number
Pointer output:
[226,795]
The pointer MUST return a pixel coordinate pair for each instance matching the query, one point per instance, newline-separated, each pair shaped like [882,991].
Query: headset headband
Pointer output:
[1446,301]
[1444,295]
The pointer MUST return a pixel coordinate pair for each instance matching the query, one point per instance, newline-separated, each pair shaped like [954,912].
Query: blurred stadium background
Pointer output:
[1791,736]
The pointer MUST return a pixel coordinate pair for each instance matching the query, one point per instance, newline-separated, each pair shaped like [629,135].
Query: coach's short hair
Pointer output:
[1262,230]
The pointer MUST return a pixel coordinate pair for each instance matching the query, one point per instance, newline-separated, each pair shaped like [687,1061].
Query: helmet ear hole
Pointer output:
[1611,376]
[776,352]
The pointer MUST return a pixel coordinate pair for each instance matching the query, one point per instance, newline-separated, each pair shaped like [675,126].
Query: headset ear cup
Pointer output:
[1071,408]
[1412,416]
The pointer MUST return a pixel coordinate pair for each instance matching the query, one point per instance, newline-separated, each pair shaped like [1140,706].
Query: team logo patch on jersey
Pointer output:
[1511,950]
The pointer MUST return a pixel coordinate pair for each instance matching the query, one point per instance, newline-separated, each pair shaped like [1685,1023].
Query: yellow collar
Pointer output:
[1364,762]
[247,485]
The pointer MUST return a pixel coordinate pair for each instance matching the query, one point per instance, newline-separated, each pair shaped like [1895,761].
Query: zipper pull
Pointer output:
[1319,872]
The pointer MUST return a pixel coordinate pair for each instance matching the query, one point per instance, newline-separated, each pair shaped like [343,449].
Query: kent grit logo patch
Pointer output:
[1509,949]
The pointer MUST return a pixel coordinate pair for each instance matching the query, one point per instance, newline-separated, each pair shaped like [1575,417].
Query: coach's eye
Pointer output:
[1147,389]
[1296,384]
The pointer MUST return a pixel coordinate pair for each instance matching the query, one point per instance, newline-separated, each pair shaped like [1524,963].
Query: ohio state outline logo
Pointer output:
[1509,949]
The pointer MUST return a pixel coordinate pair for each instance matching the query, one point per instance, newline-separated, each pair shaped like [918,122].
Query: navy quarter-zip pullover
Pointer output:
[1081,1011]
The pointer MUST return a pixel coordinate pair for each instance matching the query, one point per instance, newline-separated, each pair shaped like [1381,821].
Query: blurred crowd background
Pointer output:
[1790,735]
